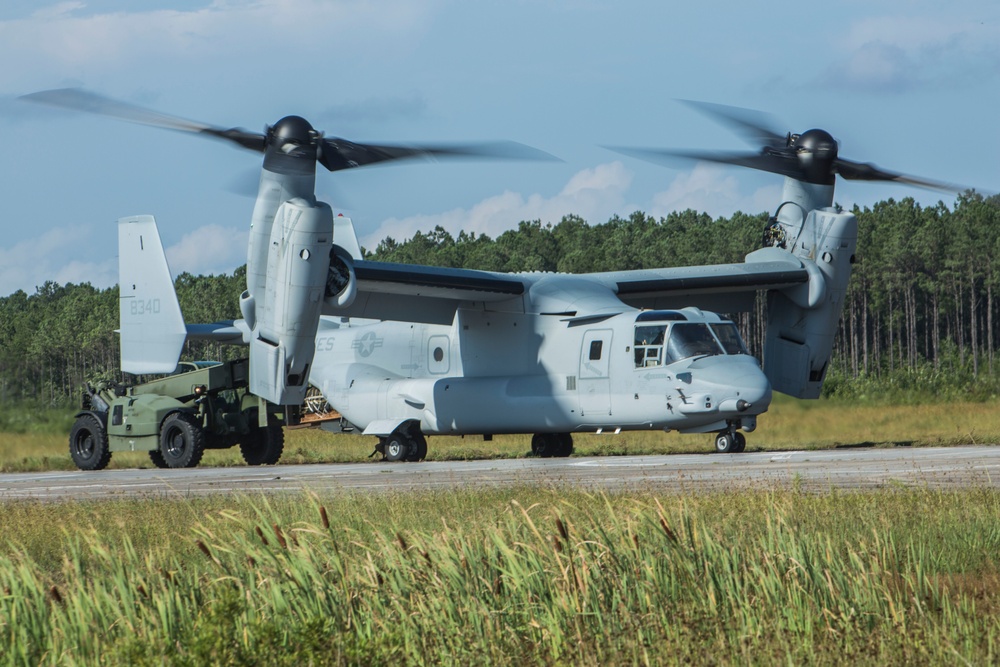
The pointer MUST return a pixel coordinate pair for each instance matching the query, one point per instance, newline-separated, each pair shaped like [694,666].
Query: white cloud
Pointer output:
[593,194]
[63,42]
[53,256]
[897,53]
[714,190]
[211,249]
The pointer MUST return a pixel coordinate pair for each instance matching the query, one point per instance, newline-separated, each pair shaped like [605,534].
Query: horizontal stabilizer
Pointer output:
[227,333]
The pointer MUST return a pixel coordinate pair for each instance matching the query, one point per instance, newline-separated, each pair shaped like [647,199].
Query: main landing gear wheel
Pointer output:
[548,445]
[418,447]
[396,447]
[730,443]
[88,444]
[182,441]
[403,446]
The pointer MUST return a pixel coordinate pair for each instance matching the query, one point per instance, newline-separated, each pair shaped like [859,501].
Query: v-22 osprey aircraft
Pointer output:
[403,352]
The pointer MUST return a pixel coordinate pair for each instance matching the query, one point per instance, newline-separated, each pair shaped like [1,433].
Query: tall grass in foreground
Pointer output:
[522,576]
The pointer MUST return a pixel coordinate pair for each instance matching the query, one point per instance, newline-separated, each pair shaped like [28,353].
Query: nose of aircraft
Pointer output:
[736,382]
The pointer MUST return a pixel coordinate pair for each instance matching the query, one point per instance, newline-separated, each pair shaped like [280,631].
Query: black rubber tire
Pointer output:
[263,446]
[88,444]
[741,442]
[725,443]
[418,447]
[182,442]
[156,456]
[545,445]
[397,447]
[564,446]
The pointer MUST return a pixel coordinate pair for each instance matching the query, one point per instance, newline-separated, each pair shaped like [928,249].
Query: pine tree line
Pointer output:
[921,302]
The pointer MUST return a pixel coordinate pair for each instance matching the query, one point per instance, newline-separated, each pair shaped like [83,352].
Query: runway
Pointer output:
[815,471]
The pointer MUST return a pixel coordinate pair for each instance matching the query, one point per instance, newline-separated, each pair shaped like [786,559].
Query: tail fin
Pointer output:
[152,327]
[345,237]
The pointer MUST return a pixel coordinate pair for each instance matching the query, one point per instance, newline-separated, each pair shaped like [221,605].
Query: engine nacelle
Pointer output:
[274,189]
[802,320]
[298,262]
[341,282]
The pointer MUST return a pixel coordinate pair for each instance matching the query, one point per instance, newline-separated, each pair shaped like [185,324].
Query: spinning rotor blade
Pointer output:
[810,157]
[755,126]
[336,154]
[291,138]
[865,171]
[82,100]
[765,161]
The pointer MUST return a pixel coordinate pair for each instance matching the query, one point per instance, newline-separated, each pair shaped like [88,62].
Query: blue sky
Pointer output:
[910,85]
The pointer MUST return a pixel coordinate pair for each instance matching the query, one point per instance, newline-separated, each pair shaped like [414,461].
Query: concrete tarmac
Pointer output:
[816,471]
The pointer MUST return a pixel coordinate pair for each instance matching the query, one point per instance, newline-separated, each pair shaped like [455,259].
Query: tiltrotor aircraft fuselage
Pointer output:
[407,351]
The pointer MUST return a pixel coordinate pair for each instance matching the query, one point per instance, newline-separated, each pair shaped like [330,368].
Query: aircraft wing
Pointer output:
[416,293]
[716,287]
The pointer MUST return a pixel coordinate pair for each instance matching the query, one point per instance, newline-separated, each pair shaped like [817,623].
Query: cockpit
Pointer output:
[663,337]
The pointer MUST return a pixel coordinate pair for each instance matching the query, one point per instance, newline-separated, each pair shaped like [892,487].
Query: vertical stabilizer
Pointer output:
[152,328]
[345,236]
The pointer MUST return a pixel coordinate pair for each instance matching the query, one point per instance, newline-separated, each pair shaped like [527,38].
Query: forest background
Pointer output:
[919,324]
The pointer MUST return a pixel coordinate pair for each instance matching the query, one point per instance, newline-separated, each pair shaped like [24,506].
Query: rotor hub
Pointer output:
[816,151]
[294,130]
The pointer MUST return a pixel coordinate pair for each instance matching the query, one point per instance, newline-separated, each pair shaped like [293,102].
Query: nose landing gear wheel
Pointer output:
[730,443]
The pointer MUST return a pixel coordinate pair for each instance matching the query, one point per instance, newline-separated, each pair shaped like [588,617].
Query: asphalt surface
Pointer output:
[931,467]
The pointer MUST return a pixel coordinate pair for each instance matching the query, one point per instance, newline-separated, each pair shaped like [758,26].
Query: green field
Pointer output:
[42,444]
[522,575]
[515,576]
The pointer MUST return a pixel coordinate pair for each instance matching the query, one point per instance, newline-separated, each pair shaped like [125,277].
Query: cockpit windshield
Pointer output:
[661,344]
[729,336]
[690,339]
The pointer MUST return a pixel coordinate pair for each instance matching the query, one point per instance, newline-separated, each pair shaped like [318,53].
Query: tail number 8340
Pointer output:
[144,307]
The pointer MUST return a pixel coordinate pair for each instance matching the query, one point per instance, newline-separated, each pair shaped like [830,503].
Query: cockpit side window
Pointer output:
[649,345]
[689,339]
[729,336]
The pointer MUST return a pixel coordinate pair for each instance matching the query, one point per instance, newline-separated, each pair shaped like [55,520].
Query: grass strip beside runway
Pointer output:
[514,576]
[789,424]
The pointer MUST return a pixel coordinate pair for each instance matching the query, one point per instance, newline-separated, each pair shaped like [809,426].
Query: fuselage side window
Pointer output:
[596,346]
[649,345]
[729,336]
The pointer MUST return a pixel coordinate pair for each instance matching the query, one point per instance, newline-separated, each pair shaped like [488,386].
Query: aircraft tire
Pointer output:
[182,442]
[263,446]
[418,447]
[88,444]
[725,443]
[741,442]
[565,444]
[156,456]
[397,447]
[545,445]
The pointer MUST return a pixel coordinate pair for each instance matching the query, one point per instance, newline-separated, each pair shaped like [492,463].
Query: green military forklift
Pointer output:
[203,405]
